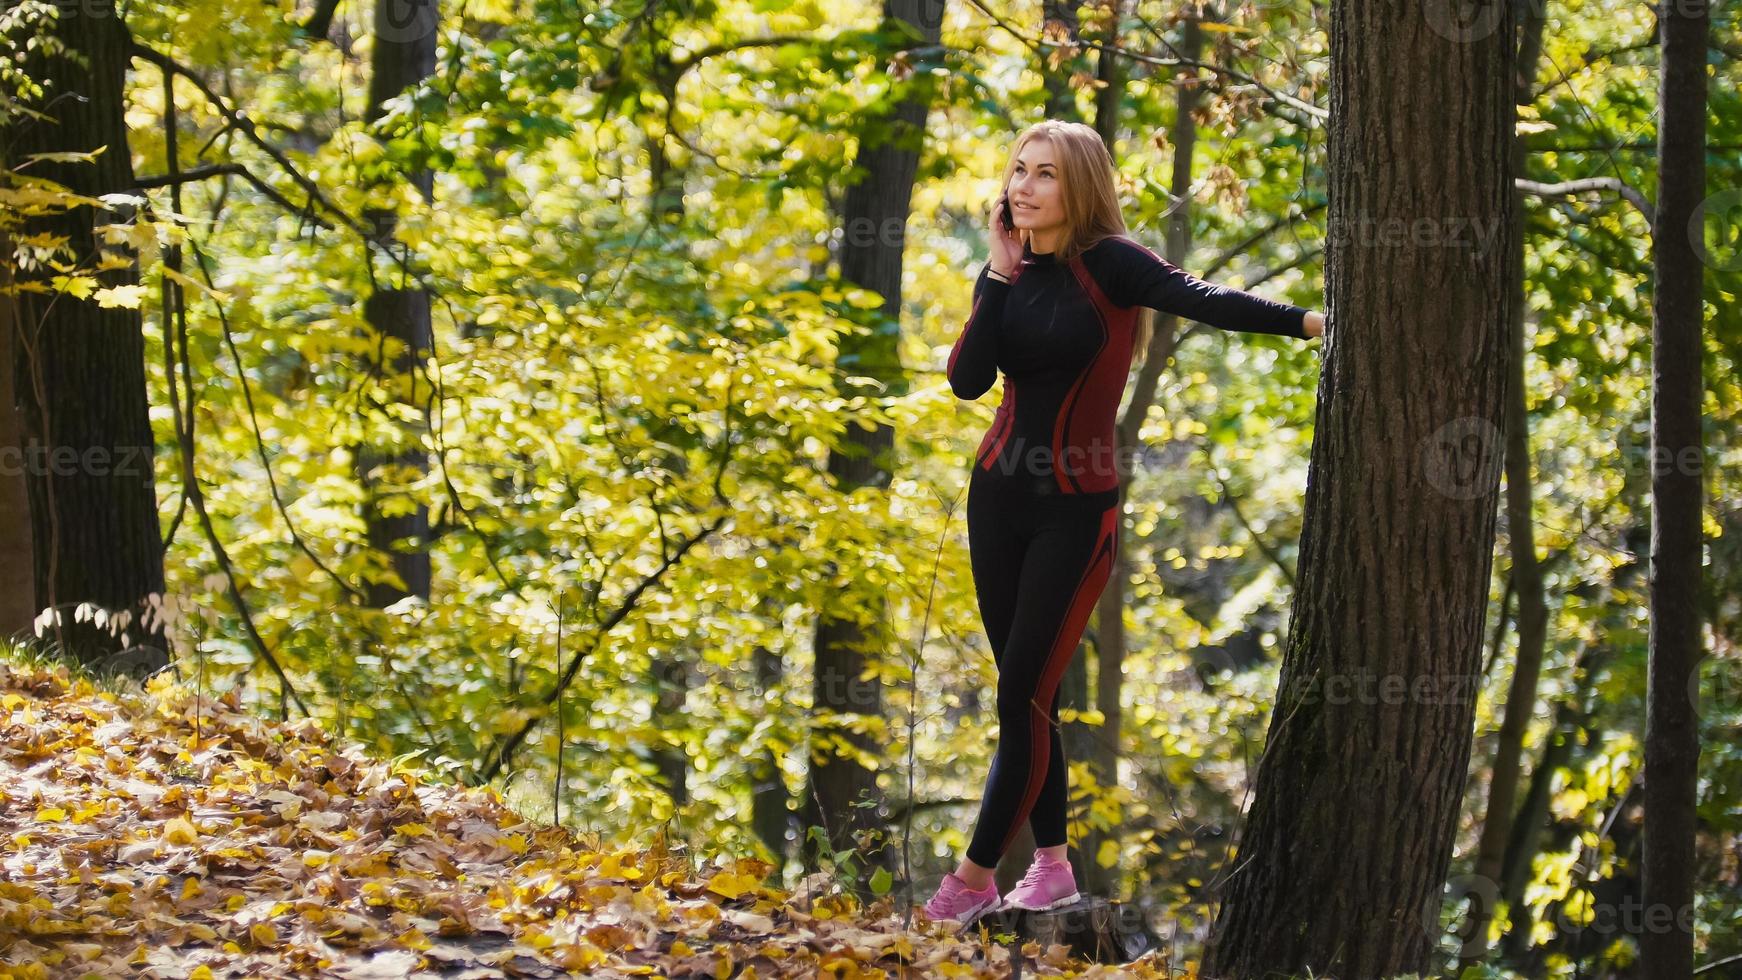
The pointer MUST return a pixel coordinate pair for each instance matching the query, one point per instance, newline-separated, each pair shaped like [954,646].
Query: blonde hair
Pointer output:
[1091,202]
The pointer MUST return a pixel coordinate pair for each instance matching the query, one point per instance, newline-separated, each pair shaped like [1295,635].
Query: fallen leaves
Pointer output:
[133,842]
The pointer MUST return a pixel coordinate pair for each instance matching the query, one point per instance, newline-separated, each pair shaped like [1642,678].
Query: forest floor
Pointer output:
[142,837]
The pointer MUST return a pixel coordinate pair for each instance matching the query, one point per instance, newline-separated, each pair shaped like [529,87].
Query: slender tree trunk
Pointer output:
[1110,70]
[1573,715]
[1342,858]
[845,649]
[669,668]
[80,369]
[770,801]
[1059,25]
[1079,739]
[398,313]
[1527,576]
[1672,737]
[1111,645]
[17,578]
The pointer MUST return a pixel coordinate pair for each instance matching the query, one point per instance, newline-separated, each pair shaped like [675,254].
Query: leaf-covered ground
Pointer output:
[136,840]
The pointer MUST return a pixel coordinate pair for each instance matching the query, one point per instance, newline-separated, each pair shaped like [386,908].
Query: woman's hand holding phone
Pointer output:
[1006,240]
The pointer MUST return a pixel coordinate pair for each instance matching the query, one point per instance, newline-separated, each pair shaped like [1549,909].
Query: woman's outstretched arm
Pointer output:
[974,360]
[1132,275]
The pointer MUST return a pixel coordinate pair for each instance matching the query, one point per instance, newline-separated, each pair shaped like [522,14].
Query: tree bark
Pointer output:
[17,573]
[80,368]
[398,314]
[1342,858]
[770,802]
[1079,739]
[844,648]
[1110,640]
[1672,737]
[1527,573]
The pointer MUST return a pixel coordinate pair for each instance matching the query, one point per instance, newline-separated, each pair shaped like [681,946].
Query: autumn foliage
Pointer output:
[167,835]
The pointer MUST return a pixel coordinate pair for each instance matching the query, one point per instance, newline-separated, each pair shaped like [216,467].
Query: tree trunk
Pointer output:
[17,579]
[80,368]
[1342,858]
[1079,739]
[1110,640]
[1672,737]
[1527,575]
[1058,24]
[880,200]
[1573,715]
[398,314]
[769,800]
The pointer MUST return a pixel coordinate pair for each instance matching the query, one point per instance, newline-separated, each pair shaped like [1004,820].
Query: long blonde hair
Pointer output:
[1091,202]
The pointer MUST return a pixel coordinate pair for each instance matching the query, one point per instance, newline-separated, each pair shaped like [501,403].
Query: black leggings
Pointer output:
[1040,562]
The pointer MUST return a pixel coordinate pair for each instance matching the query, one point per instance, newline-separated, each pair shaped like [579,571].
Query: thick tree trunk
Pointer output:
[880,200]
[398,313]
[17,566]
[80,369]
[1343,855]
[1672,737]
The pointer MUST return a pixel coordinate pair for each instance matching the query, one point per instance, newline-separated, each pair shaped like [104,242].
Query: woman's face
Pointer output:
[1035,201]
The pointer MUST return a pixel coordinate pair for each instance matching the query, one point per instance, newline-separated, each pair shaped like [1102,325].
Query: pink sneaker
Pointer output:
[956,902]
[1048,885]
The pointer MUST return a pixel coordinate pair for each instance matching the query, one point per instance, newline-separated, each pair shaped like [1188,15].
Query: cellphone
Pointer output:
[1005,215]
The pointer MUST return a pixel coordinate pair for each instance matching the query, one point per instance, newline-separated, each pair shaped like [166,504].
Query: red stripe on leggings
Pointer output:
[1063,645]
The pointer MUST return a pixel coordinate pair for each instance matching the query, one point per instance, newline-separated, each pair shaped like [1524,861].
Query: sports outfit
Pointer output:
[1043,497]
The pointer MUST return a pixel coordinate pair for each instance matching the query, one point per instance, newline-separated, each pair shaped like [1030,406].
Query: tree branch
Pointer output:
[1615,184]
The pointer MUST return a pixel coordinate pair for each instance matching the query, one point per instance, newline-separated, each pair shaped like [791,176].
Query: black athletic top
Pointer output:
[1062,333]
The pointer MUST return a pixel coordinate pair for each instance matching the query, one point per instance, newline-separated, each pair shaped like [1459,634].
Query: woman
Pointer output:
[1059,308]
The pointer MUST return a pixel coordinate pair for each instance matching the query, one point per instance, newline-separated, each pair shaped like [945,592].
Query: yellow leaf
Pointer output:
[180,831]
[415,939]
[201,972]
[263,934]
[191,283]
[53,814]
[1108,854]
[732,885]
[110,297]
[413,829]
[79,287]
